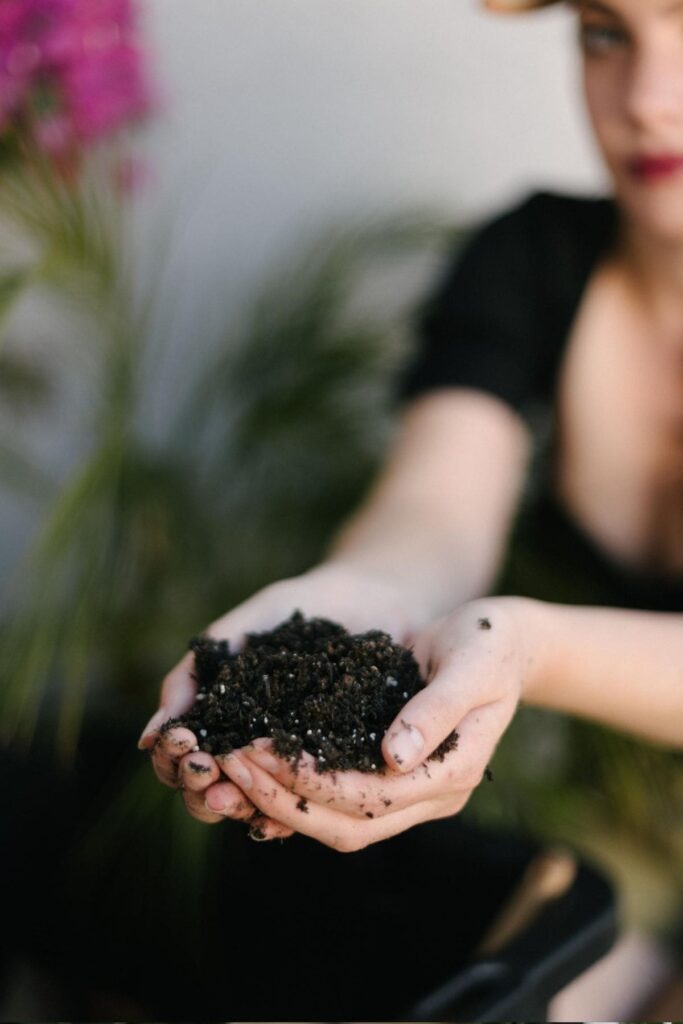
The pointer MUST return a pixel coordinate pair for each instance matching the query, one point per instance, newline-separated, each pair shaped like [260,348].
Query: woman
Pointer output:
[574,302]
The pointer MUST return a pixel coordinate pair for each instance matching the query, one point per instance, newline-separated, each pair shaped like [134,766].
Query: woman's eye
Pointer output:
[599,38]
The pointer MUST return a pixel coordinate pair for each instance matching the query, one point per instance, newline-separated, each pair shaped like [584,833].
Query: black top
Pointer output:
[499,320]
[501,314]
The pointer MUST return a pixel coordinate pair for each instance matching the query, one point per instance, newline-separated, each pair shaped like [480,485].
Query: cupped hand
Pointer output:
[356,599]
[475,662]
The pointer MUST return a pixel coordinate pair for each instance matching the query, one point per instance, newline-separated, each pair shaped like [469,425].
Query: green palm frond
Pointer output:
[274,441]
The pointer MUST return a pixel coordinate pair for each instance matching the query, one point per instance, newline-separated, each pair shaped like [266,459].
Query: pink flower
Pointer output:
[71,69]
[103,90]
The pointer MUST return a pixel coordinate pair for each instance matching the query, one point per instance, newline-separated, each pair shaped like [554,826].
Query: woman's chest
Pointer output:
[619,455]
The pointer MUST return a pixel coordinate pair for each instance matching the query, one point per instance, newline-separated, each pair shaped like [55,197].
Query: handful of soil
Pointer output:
[308,684]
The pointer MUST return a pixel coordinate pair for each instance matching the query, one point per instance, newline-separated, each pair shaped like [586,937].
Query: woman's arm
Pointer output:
[623,668]
[436,521]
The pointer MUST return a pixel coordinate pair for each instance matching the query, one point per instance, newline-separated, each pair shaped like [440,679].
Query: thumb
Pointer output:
[427,719]
[179,687]
[177,696]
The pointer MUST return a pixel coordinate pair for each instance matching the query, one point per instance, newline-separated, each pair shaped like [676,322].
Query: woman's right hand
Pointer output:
[357,599]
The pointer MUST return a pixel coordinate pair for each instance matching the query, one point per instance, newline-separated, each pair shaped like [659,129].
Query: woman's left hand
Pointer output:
[475,663]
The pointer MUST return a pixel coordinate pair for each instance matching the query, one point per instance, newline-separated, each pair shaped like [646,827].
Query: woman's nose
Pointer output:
[654,92]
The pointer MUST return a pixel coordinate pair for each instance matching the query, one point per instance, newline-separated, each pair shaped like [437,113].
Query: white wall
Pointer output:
[280,110]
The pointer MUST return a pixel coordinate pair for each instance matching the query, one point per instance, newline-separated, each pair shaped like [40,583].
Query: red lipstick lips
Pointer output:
[651,168]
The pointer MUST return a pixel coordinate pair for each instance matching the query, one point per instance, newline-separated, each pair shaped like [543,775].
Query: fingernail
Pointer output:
[264,759]
[238,772]
[406,745]
[157,719]
[219,806]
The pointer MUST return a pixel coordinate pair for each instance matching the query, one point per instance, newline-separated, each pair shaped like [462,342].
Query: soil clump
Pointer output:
[308,684]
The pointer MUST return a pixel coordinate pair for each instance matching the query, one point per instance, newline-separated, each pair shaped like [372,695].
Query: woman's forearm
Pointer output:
[436,521]
[619,667]
[429,562]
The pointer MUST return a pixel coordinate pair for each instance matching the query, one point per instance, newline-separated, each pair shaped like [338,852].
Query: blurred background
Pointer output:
[273,121]
[215,222]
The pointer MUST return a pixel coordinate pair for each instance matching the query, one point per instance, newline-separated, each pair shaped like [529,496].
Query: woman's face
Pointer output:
[633,81]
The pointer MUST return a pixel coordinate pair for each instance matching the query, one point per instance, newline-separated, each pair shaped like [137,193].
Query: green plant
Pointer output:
[271,444]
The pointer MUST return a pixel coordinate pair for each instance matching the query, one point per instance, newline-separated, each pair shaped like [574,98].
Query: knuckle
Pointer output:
[242,809]
[353,841]
[200,814]
[448,810]
[342,843]
[473,777]
[449,804]
[166,774]
[277,831]
[175,744]
[457,803]
[468,777]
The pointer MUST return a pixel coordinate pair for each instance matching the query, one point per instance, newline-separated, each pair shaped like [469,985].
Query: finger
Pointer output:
[178,691]
[262,611]
[423,648]
[228,801]
[276,802]
[198,771]
[463,680]
[393,824]
[478,735]
[262,829]
[168,751]
[150,733]
[179,687]
[362,794]
[333,828]
[194,804]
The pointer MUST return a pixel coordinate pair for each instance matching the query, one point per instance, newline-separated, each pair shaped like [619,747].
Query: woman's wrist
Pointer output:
[533,625]
[421,602]
[620,667]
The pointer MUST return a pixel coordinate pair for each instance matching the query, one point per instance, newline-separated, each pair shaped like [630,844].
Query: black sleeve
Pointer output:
[482,325]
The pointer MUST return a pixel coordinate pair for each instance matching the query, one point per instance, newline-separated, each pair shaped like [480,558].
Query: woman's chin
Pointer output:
[655,206]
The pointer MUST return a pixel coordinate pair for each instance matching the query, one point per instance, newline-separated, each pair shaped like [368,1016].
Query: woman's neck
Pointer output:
[655,268]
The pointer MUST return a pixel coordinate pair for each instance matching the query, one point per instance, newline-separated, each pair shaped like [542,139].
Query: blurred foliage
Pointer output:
[272,443]
[279,429]
[614,797]
[276,436]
